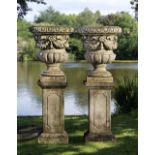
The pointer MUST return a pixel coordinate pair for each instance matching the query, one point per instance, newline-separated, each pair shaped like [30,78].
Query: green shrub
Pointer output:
[128,39]
[26,49]
[126,94]
[76,48]
[23,29]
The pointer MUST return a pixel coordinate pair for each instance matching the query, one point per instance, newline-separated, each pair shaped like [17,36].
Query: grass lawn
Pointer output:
[124,127]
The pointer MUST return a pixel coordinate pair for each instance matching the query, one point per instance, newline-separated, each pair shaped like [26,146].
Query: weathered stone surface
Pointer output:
[99,81]
[91,137]
[99,44]
[106,30]
[40,30]
[53,115]
[52,41]
[53,107]
[53,138]
[99,110]
[99,114]
[52,81]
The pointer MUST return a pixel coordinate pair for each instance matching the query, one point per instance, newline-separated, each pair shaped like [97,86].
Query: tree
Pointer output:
[23,29]
[76,48]
[56,18]
[134,4]
[107,19]
[87,18]
[26,49]
[22,7]
[128,40]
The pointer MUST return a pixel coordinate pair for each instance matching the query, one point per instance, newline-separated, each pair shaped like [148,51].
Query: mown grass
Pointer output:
[124,127]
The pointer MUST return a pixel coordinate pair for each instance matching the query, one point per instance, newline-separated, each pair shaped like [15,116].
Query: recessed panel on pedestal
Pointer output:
[53,110]
[99,111]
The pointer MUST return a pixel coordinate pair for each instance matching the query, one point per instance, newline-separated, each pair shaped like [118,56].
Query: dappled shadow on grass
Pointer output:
[76,126]
[123,146]
[120,123]
[123,127]
[33,148]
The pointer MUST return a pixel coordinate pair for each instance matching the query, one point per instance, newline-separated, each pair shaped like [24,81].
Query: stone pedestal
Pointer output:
[99,44]
[52,41]
[99,94]
[53,114]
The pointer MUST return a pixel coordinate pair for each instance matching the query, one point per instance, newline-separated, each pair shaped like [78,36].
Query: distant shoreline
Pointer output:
[115,61]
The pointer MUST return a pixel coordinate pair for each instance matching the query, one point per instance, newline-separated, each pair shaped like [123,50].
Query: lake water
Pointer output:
[29,94]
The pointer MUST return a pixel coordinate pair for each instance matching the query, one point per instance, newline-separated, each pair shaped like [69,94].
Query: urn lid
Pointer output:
[100,30]
[51,30]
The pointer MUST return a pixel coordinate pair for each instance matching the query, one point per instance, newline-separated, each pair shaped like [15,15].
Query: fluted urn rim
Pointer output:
[100,30]
[51,30]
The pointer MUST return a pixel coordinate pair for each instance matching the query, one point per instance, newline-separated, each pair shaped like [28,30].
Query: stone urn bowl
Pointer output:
[53,41]
[99,43]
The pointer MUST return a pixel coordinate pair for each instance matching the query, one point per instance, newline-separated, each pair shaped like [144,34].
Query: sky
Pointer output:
[76,6]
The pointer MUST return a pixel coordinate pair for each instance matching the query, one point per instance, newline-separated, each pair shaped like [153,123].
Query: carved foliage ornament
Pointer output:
[52,41]
[99,43]
[94,43]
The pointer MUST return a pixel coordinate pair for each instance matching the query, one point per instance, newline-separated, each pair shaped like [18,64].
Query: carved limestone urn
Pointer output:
[53,41]
[99,43]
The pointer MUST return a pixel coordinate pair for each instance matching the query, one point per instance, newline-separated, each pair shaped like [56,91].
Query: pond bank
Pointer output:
[115,61]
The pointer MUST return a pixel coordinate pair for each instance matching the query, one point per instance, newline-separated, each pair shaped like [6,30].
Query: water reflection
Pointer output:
[76,99]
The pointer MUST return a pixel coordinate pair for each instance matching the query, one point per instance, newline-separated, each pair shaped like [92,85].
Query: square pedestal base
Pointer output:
[53,138]
[92,137]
